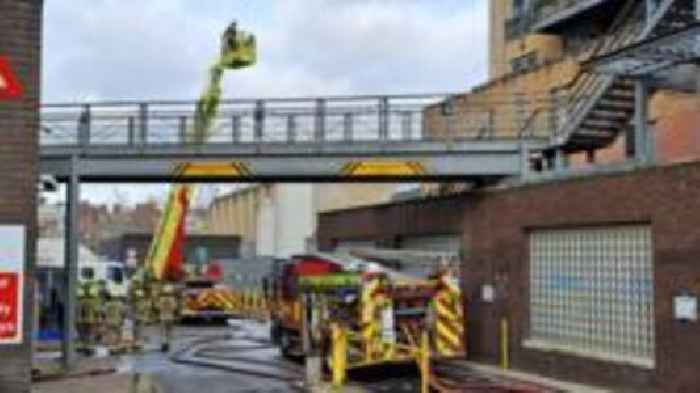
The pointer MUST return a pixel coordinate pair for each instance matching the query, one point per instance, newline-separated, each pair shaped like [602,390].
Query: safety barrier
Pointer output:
[247,304]
[449,319]
[253,305]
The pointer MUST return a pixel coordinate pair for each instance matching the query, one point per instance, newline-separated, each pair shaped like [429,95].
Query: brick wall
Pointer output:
[387,224]
[20,41]
[676,122]
[495,231]
[505,104]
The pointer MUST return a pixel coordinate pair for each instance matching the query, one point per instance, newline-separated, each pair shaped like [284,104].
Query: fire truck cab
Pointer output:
[283,291]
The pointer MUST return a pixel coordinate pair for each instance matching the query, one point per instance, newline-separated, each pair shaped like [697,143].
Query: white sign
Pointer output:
[487,293]
[388,332]
[131,257]
[12,247]
[685,308]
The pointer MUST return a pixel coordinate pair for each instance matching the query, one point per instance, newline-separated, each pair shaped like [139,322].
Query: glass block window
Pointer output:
[592,293]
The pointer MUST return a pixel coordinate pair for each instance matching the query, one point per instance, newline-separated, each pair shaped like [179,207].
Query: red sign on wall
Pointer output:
[12,261]
[9,307]
[10,87]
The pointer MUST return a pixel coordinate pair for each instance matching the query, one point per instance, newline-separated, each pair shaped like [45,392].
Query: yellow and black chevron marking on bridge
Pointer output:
[449,321]
[383,168]
[200,170]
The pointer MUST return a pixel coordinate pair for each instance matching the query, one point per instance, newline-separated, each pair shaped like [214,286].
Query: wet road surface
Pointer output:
[240,359]
[236,359]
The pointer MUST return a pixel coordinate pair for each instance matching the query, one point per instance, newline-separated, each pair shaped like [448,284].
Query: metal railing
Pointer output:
[538,12]
[258,121]
[587,88]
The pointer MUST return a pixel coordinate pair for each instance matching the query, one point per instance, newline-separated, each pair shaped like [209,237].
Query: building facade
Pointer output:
[199,249]
[20,44]
[586,272]
[101,223]
[538,83]
[236,213]
[279,220]
[423,224]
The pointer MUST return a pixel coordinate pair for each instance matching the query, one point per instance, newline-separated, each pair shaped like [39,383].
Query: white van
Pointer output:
[112,273]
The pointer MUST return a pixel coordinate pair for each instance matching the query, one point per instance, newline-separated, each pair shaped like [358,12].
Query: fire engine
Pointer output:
[383,310]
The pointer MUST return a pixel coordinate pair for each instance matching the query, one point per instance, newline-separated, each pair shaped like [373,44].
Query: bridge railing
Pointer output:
[298,120]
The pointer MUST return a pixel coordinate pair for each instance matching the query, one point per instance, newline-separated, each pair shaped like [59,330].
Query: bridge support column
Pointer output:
[644,140]
[560,161]
[71,264]
[524,160]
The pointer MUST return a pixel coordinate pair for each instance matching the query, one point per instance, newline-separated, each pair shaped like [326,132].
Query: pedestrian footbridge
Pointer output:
[398,138]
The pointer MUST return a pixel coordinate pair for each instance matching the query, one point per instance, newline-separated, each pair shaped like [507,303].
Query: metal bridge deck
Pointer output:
[311,139]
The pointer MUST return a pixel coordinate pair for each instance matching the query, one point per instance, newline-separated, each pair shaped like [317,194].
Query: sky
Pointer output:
[104,50]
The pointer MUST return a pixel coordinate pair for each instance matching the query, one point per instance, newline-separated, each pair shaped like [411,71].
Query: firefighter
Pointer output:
[90,314]
[230,39]
[154,290]
[82,320]
[114,320]
[168,305]
[135,285]
[102,290]
[143,310]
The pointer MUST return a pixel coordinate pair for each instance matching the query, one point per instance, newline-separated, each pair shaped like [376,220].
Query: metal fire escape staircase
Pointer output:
[596,108]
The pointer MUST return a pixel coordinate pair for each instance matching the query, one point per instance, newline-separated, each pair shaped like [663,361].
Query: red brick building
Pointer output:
[20,43]
[100,223]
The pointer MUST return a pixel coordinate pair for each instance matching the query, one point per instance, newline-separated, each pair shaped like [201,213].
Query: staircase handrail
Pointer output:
[590,87]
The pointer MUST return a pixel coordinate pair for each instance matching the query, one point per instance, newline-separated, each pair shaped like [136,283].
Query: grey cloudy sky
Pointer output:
[161,49]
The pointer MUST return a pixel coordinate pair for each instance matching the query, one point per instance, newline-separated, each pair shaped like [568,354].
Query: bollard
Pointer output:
[310,325]
[425,362]
[505,361]
[339,355]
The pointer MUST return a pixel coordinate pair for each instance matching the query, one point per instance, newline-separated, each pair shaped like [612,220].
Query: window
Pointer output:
[592,294]
[519,7]
[115,274]
[87,273]
[525,62]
